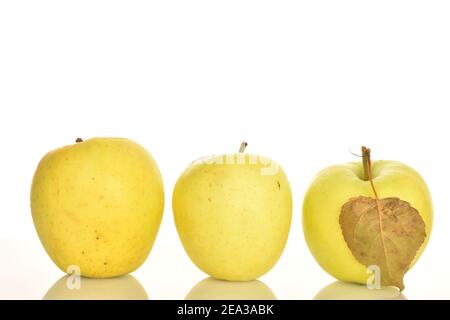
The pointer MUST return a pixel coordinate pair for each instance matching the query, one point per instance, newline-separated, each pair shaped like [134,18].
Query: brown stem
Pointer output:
[243,146]
[79,140]
[366,162]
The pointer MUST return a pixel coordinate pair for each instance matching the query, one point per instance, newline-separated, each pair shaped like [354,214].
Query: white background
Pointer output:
[303,82]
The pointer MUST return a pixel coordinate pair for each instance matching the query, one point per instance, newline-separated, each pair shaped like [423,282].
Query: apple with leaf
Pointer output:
[361,217]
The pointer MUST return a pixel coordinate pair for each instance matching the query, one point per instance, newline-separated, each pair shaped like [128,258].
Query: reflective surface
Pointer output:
[212,289]
[349,291]
[121,288]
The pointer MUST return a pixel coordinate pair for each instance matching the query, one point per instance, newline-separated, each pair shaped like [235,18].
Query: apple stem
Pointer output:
[243,146]
[367,164]
[79,140]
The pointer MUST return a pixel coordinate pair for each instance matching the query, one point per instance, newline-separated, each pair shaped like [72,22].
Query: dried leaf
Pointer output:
[387,235]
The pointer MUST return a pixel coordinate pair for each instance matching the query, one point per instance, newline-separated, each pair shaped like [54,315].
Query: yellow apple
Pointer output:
[233,214]
[333,187]
[97,206]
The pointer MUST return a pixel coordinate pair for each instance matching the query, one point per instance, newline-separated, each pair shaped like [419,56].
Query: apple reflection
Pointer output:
[349,291]
[120,288]
[212,289]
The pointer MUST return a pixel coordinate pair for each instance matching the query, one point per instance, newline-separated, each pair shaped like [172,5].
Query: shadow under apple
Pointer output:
[121,288]
[350,291]
[212,289]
